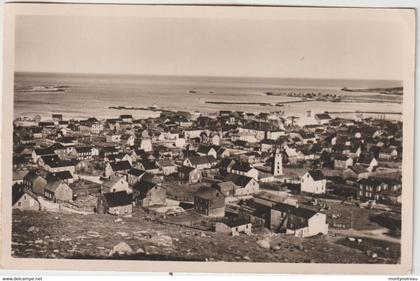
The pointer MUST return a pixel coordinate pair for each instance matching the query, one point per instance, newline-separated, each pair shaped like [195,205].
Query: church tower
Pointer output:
[277,168]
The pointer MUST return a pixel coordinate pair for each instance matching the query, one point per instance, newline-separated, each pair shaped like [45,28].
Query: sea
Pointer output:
[92,95]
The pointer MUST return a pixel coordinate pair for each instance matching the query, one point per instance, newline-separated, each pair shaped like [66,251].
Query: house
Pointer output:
[115,203]
[109,150]
[244,169]
[126,118]
[146,145]
[388,153]
[323,118]
[356,172]
[149,166]
[149,194]
[127,139]
[225,166]
[59,166]
[367,161]
[24,200]
[38,152]
[111,137]
[134,175]
[205,150]
[234,227]
[210,202]
[115,184]
[65,176]
[189,174]
[59,149]
[34,182]
[167,167]
[91,126]
[200,162]
[83,153]
[120,168]
[370,189]
[298,221]
[313,182]
[238,185]
[58,190]
[342,162]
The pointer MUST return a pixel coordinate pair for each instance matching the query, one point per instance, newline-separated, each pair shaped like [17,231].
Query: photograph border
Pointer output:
[11,10]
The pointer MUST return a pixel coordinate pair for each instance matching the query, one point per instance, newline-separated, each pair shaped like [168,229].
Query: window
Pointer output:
[19,204]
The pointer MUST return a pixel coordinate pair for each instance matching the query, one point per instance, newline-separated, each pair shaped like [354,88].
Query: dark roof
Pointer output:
[316,175]
[235,222]
[144,186]
[186,169]
[17,193]
[242,166]
[323,116]
[64,175]
[44,151]
[370,182]
[121,166]
[136,172]
[31,175]
[198,160]
[296,211]
[57,146]
[208,193]
[53,185]
[115,199]
[149,165]
[237,179]
[204,149]
[84,149]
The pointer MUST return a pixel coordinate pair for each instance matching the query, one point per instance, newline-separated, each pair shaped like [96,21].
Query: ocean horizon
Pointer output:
[88,95]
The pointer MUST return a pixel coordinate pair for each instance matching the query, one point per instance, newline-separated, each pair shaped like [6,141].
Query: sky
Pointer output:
[231,47]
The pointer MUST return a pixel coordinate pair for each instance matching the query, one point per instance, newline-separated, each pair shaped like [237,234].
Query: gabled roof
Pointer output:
[63,175]
[296,211]
[242,166]
[235,222]
[136,172]
[209,193]
[18,192]
[149,165]
[204,149]
[57,146]
[112,181]
[199,160]
[186,169]
[121,166]
[316,175]
[31,175]
[115,199]
[53,185]
[144,186]
[84,149]
[44,151]
[238,179]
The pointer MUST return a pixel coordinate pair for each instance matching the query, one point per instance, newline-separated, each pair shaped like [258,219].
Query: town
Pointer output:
[329,187]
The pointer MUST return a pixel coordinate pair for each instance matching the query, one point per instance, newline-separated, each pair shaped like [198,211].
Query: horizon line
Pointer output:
[202,76]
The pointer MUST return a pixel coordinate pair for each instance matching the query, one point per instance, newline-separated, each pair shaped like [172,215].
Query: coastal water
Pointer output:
[92,95]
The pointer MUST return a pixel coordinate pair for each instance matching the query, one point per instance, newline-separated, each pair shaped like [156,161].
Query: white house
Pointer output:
[313,182]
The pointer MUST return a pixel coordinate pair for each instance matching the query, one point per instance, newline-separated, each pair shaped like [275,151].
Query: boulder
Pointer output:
[122,248]
[33,229]
[264,243]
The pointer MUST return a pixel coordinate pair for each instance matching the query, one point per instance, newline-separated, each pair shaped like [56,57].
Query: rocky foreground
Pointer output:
[57,235]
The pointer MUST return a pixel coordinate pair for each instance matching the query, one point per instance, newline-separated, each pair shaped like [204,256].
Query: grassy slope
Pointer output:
[93,236]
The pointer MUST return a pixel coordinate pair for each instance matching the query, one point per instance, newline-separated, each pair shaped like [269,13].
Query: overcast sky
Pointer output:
[210,47]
